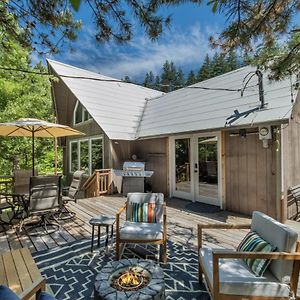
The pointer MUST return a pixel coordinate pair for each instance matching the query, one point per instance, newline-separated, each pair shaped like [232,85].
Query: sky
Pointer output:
[185,43]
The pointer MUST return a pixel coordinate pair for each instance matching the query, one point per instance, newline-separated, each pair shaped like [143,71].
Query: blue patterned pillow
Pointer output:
[252,242]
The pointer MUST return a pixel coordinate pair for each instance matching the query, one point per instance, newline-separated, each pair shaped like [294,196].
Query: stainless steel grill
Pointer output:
[133,174]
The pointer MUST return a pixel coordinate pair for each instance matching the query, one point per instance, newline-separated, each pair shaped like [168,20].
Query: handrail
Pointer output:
[99,183]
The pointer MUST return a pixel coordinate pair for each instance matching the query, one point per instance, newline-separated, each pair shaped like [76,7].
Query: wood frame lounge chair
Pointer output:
[142,232]
[228,276]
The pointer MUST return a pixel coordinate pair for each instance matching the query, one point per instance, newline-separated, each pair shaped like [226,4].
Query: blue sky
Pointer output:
[185,43]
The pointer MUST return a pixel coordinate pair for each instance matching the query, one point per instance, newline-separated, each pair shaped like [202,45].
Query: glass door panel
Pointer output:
[182,165]
[208,186]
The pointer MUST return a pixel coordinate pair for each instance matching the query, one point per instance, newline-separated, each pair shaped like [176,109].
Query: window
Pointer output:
[74,156]
[80,114]
[86,154]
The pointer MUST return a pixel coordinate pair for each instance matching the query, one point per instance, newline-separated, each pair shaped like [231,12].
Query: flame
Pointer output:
[129,279]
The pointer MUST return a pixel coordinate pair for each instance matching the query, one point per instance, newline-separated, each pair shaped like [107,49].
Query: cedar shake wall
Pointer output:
[155,153]
[250,172]
[291,158]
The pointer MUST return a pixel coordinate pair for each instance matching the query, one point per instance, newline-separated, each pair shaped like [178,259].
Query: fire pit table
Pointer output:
[130,279]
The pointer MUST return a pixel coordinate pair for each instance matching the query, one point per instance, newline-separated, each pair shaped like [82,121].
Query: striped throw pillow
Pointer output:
[252,242]
[142,212]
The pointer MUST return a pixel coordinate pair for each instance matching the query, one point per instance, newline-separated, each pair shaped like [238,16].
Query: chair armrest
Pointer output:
[220,253]
[225,254]
[201,227]
[121,210]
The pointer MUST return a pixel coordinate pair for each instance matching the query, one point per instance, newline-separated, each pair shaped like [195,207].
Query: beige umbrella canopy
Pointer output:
[36,128]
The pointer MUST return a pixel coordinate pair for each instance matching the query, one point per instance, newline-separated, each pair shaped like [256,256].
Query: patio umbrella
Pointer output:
[36,128]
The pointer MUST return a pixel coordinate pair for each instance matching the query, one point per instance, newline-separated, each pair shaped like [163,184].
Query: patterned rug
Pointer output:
[70,270]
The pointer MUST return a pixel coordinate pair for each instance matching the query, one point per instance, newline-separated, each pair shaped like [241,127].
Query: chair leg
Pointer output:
[117,249]
[200,273]
[165,258]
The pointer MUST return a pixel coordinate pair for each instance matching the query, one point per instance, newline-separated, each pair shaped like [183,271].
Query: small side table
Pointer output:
[102,220]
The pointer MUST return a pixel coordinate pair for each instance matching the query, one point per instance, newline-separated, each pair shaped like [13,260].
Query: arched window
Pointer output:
[80,114]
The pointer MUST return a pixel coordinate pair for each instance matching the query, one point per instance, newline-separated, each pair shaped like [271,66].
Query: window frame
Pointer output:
[78,141]
[84,110]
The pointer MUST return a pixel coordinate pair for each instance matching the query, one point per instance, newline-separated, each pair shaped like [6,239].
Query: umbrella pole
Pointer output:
[32,153]
[55,156]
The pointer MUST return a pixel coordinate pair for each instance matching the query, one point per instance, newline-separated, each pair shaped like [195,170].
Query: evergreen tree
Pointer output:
[179,81]
[168,77]
[149,80]
[232,61]
[157,84]
[191,78]
[127,79]
[205,70]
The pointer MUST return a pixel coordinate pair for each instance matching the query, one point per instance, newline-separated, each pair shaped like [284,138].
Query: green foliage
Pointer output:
[172,78]
[266,29]
[23,95]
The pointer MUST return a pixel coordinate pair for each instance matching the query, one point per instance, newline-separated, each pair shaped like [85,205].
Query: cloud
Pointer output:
[185,47]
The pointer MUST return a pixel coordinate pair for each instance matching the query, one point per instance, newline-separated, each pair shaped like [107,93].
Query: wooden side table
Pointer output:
[20,273]
[102,220]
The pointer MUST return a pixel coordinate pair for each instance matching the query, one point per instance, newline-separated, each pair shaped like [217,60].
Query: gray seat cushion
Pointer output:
[141,231]
[279,235]
[237,279]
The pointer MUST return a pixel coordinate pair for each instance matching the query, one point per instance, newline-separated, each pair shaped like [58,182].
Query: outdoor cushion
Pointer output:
[142,212]
[7,294]
[278,235]
[237,279]
[157,198]
[46,296]
[141,231]
[252,242]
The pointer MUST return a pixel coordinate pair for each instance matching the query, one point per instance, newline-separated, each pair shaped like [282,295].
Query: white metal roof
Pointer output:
[194,109]
[127,111]
[116,106]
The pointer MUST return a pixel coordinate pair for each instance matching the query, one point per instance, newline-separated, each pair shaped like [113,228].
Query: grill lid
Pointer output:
[133,166]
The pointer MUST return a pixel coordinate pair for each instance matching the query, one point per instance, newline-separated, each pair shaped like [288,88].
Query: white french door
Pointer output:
[195,167]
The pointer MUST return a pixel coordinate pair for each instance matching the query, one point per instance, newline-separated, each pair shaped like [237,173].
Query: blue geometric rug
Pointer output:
[70,270]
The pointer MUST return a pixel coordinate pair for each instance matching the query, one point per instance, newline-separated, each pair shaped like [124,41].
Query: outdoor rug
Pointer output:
[70,270]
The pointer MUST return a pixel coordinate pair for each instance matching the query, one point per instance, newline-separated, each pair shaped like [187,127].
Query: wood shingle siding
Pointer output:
[250,175]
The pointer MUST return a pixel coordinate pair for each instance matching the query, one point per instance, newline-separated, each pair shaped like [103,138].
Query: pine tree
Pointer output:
[191,78]
[205,70]
[157,84]
[127,79]
[179,81]
[168,76]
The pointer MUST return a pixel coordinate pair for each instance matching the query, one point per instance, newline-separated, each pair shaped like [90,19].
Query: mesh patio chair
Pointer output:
[22,181]
[146,222]
[71,195]
[44,203]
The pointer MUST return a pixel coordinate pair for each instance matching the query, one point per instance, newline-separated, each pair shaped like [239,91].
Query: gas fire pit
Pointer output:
[130,279]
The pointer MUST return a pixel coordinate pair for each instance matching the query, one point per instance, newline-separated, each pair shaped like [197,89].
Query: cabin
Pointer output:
[230,141]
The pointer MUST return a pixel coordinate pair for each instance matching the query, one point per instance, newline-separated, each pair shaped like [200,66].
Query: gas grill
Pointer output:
[133,174]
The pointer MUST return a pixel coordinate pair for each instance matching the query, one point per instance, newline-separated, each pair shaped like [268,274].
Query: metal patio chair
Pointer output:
[44,203]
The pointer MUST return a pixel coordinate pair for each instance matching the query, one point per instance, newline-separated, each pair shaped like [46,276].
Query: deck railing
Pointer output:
[98,184]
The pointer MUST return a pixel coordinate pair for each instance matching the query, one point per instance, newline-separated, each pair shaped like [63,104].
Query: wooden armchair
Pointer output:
[137,232]
[228,276]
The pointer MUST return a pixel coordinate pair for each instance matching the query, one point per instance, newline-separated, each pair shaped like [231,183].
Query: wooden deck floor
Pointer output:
[182,224]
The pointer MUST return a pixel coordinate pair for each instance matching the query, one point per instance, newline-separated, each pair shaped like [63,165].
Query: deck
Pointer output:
[182,217]
[182,223]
